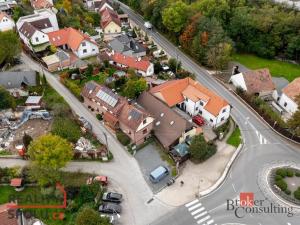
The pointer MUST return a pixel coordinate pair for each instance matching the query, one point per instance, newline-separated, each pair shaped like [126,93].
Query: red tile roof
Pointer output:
[107,16]
[40,4]
[172,93]
[131,62]
[258,81]
[292,90]
[68,36]
[16,182]
[5,216]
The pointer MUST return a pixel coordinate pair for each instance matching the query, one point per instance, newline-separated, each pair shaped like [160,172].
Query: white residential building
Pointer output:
[194,99]
[288,99]
[6,22]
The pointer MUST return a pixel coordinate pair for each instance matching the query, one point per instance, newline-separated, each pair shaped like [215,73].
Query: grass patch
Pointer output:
[235,137]
[277,68]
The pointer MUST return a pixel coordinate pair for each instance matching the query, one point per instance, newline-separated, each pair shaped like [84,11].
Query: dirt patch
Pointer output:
[34,128]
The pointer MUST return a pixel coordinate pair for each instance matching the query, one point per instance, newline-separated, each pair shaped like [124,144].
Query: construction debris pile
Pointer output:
[84,145]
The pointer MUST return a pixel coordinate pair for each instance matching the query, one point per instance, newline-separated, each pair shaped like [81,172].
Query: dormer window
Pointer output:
[201,103]
[145,121]
[83,44]
[162,114]
[157,123]
[172,122]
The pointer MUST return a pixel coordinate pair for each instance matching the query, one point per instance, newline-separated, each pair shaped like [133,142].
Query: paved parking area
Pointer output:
[148,159]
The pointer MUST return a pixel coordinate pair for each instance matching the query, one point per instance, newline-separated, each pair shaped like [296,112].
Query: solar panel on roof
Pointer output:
[135,114]
[108,98]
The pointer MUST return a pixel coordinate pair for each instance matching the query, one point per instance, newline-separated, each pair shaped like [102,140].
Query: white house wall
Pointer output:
[6,24]
[91,48]
[291,107]
[42,38]
[149,120]
[238,81]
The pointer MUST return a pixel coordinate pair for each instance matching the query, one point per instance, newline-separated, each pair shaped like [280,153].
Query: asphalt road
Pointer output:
[123,170]
[261,145]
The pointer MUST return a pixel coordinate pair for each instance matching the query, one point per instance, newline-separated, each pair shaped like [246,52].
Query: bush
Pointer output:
[278,177]
[281,184]
[288,192]
[297,194]
[99,117]
[123,138]
[290,173]
[73,87]
[297,174]
[282,172]
[66,128]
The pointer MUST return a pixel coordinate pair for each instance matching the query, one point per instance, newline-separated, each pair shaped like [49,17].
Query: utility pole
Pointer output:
[105,136]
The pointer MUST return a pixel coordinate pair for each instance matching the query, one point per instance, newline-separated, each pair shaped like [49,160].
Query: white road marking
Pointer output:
[198,210]
[210,222]
[191,203]
[261,139]
[233,187]
[203,220]
[289,224]
[195,206]
[200,215]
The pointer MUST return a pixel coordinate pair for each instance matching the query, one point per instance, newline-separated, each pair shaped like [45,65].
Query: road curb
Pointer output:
[224,174]
[10,157]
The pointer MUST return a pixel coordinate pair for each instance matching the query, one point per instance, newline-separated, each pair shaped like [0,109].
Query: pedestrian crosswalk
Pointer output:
[199,213]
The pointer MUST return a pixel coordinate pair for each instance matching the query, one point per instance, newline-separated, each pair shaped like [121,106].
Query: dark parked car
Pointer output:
[112,197]
[110,208]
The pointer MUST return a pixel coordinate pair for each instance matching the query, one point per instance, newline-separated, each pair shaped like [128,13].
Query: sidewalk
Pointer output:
[197,177]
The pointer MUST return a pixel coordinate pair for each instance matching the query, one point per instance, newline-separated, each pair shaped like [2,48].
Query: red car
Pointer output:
[198,120]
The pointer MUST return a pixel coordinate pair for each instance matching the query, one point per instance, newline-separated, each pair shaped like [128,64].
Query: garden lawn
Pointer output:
[235,138]
[277,68]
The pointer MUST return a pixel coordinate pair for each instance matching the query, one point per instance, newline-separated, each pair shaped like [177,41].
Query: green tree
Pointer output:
[27,139]
[294,121]
[200,150]
[219,56]
[134,88]
[6,100]
[174,65]
[175,16]
[10,46]
[90,216]
[18,12]
[48,154]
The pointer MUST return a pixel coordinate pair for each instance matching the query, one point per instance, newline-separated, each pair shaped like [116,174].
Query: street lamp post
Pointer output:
[177,51]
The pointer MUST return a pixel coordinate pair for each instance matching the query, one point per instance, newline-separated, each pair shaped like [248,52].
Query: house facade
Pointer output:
[117,113]
[6,22]
[288,99]
[33,38]
[71,39]
[110,24]
[143,67]
[193,98]
[257,82]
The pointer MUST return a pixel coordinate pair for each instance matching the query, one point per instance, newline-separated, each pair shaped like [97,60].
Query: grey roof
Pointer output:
[124,43]
[27,29]
[168,125]
[90,86]
[62,55]
[16,79]
[41,24]
[280,83]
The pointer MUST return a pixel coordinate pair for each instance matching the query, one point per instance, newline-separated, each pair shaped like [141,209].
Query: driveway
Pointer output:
[148,159]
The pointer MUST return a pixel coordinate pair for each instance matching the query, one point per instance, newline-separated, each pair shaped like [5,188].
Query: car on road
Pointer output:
[158,174]
[198,120]
[111,208]
[112,197]
[148,25]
